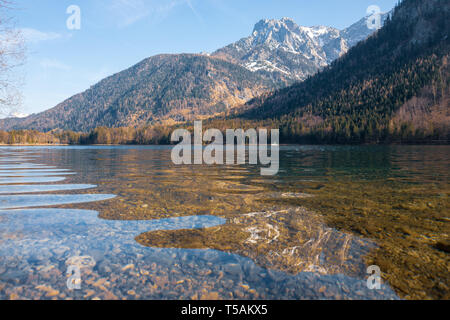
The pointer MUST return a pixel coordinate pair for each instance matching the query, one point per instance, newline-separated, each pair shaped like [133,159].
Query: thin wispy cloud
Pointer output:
[34,36]
[54,64]
[194,11]
[227,10]
[128,12]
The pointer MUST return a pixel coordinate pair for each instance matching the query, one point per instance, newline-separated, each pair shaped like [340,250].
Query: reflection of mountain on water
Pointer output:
[263,252]
[296,240]
[292,240]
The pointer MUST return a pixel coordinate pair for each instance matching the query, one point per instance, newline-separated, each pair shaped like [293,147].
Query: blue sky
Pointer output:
[116,34]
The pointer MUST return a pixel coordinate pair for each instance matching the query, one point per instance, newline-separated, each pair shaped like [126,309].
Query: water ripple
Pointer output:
[43,188]
[23,201]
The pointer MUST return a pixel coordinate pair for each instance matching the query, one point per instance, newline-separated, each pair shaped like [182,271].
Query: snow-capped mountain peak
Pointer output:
[293,52]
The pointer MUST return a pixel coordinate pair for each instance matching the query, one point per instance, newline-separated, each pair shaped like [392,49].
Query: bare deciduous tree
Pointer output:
[12,49]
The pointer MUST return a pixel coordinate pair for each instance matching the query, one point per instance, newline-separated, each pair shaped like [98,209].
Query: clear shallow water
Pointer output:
[24,166]
[47,239]
[11,189]
[33,174]
[11,159]
[30,180]
[41,171]
[139,191]
[23,201]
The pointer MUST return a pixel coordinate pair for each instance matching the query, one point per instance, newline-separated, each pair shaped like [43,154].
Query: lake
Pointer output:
[136,226]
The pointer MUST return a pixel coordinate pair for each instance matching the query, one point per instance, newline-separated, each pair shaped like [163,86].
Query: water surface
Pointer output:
[143,228]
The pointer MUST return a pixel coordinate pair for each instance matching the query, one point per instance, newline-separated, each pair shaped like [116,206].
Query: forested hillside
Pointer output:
[393,86]
[161,89]
[168,89]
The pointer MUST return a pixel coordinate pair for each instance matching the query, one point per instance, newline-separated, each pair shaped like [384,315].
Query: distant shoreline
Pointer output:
[430,143]
[33,145]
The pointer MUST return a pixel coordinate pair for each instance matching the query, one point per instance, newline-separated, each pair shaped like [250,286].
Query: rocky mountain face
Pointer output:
[176,88]
[290,52]
[394,85]
[160,89]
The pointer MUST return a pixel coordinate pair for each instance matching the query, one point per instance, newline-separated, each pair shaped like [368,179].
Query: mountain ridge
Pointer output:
[163,88]
[378,90]
[292,52]
[135,97]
